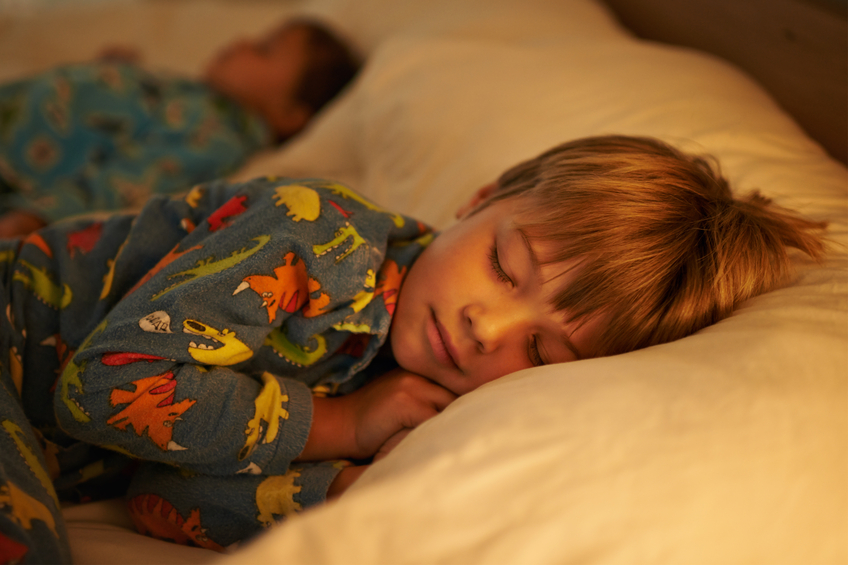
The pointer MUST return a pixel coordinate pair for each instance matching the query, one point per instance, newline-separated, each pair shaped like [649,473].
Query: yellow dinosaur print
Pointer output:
[342,234]
[345,192]
[232,350]
[363,297]
[352,328]
[194,195]
[7,256]
[109,277]
[29,456]
[41,284]
[322,391]
[303,202]
[275,495]
[269,408]
[24,508]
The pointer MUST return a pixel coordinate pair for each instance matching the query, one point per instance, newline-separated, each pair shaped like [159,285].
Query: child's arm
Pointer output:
[148,381]
[357,425]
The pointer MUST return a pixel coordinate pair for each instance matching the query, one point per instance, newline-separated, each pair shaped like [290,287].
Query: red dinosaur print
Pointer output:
[85,239]
[11,551]
[36,239]
[151,408]
[343,212]
[287,290]
[125,358]
[169,258]
[389,284]
[156,517]
[221,217]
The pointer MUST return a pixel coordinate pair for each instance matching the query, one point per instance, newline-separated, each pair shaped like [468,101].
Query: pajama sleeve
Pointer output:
[182,369]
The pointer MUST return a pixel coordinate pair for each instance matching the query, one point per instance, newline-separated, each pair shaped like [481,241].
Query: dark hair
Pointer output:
[663,247]
[330,65]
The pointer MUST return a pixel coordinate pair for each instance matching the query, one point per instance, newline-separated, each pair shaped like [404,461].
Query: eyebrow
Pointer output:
[537,268]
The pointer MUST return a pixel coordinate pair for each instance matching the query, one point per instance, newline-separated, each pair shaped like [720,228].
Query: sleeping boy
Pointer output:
[106,135]
[255,345]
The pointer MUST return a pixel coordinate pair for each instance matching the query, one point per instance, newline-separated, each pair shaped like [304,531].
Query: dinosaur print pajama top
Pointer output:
[188,340]
[107,135]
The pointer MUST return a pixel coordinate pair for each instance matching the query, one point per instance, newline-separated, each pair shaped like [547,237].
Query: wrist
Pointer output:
[331,434]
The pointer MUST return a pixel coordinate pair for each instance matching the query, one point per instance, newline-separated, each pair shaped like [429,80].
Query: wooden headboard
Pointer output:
[797,49]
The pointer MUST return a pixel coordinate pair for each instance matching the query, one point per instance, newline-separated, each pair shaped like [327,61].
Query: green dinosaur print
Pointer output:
[295,354]
[29,456]
[345,192]
[209,266]
[40,283]
[71,376]
[342,234]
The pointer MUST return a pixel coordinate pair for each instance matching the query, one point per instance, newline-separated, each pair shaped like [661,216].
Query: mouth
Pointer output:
[440,342]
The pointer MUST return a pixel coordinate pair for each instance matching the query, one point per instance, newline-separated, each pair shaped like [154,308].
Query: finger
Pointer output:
[391,443]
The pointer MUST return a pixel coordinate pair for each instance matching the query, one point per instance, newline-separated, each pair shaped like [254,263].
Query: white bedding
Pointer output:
[730,446]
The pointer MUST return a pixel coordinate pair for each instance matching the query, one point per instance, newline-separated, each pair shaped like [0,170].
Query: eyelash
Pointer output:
[533,353]
[532,347]
[496,265]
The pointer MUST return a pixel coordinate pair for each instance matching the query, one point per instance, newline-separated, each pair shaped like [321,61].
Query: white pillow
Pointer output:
[727,446]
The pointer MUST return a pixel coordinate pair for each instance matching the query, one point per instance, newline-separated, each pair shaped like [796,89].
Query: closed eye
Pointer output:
[533,352]
[496,265]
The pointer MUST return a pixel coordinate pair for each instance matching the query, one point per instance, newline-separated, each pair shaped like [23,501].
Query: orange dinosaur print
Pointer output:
[222,217]
[156,517]
[169,258]
[85,239]
[36,239]
[390,280]
[316,305]
[151,408]
[287,290]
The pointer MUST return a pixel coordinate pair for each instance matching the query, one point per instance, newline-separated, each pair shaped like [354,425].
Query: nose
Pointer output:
[495,326]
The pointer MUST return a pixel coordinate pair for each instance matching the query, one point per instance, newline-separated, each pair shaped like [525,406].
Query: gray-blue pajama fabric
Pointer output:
[189,338]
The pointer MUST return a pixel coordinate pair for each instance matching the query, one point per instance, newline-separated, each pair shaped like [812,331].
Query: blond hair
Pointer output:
[662,247]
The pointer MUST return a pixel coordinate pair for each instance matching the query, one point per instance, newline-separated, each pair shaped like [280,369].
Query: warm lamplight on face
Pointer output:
[474,306]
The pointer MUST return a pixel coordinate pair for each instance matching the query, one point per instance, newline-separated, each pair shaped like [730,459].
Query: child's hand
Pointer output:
[357,425]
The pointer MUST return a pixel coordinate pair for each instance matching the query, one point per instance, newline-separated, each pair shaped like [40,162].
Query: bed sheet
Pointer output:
[727,446]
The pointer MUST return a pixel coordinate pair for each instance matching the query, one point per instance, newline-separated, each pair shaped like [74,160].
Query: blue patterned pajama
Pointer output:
[106,136]
[184,346]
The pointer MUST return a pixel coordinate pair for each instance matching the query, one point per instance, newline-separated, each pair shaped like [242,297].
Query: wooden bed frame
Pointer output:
[797,49]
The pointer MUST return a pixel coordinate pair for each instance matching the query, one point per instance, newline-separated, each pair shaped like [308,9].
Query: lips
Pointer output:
[440,342]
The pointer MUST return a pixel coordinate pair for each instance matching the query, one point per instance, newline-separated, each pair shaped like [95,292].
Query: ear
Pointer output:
[480,196]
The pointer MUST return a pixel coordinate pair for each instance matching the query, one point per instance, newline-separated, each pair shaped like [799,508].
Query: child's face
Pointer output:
[264,75]
[475,306]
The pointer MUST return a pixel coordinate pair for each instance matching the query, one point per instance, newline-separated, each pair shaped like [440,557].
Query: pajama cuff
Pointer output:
[292,439]
[314,481]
